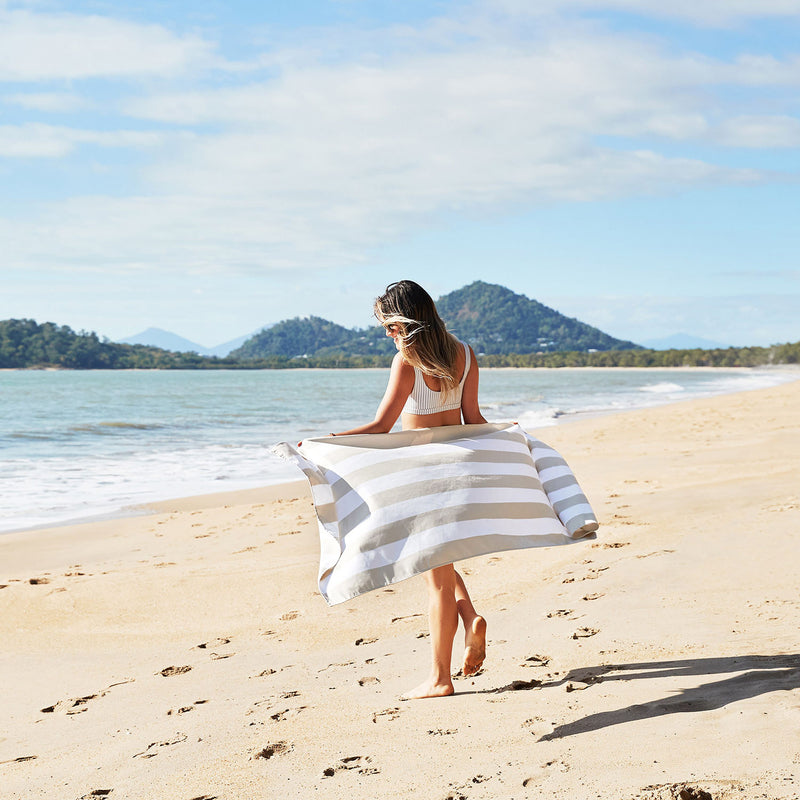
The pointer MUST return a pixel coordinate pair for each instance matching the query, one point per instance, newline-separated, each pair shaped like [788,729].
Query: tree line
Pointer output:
[25,343]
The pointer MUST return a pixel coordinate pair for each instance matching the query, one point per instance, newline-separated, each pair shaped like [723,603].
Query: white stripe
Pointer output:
[352,563]
[566,492]
[584,509]
[434,472]
[554,472]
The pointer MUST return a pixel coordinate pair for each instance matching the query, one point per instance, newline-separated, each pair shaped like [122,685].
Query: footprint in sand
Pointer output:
[218,642]
[38,581]
[583,683]
[274,749]
[19,760]
[168,672]
[594,574]
[290,615]
[585,633]
[186,709]
[441,732]
[361,763]
[368,680]
[536,661]
[547,769]
[151,751]
[77,705]
[561,612]
[280,716]
[391,713]
[519,686]
[97,793]
[655,553]
[264,673]
[594,596]
[458,790]
[365,641]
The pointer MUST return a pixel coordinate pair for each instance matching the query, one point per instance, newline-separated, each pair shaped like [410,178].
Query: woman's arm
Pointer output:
[401,382]
[470,409]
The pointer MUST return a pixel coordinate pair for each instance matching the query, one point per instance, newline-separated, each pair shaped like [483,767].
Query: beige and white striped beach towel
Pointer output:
[393,505]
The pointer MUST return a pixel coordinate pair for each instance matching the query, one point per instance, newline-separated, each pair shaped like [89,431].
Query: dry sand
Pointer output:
[187,654]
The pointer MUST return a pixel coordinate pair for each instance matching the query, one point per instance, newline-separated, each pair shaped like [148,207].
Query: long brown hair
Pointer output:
[424,340]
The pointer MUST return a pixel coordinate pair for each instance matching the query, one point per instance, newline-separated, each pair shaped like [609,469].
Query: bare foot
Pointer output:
[429,688]
[474,646]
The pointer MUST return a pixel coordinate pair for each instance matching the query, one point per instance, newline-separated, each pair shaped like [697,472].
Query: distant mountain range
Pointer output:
[492,318]
[157,337]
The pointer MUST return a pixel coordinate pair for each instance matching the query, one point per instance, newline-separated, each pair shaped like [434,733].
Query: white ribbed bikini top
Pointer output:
[424,400]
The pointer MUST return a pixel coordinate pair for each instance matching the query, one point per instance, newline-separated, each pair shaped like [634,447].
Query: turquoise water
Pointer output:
[76,444]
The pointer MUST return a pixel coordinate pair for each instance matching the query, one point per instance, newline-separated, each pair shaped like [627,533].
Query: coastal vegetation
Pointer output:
[25,343]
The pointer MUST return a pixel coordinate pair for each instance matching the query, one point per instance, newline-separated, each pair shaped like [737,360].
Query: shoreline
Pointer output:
[187,653]
[209,499]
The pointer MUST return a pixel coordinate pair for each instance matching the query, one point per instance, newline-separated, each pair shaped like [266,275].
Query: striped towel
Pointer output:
[393,505]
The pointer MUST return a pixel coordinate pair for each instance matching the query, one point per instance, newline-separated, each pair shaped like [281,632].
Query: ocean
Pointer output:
[76,445]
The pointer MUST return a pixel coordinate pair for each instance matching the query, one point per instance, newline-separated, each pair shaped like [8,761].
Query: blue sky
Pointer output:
[211,167]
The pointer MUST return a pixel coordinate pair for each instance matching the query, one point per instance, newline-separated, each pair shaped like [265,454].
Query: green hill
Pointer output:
[26,343]
[496,320]
[493,319]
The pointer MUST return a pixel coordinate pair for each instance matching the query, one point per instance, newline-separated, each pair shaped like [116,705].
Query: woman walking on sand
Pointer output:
[433,382]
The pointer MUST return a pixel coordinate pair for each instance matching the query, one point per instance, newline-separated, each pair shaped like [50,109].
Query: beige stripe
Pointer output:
[563,482]
[414,491]
[418,461]
[418,523]
[343,447]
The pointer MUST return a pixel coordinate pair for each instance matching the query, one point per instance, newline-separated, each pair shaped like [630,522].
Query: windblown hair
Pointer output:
[424,340]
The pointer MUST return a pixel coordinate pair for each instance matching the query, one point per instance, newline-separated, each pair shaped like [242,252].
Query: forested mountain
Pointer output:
[297,337]
[493,319]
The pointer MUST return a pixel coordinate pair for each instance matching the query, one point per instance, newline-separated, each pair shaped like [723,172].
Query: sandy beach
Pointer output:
[186,654]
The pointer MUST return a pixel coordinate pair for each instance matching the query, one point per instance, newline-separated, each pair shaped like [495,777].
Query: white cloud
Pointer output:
[759,131]
[48,101]
[53,141]
[41,46]
[332,157]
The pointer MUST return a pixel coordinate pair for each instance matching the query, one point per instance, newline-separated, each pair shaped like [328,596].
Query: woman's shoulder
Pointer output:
[400,364]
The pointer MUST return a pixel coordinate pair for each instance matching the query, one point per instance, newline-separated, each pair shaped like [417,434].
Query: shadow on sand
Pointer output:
[755,675]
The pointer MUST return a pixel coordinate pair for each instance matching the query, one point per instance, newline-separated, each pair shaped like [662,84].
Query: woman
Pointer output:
[433,382]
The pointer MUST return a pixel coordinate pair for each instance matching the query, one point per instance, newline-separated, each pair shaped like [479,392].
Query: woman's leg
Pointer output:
[443,617]
[474,629]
